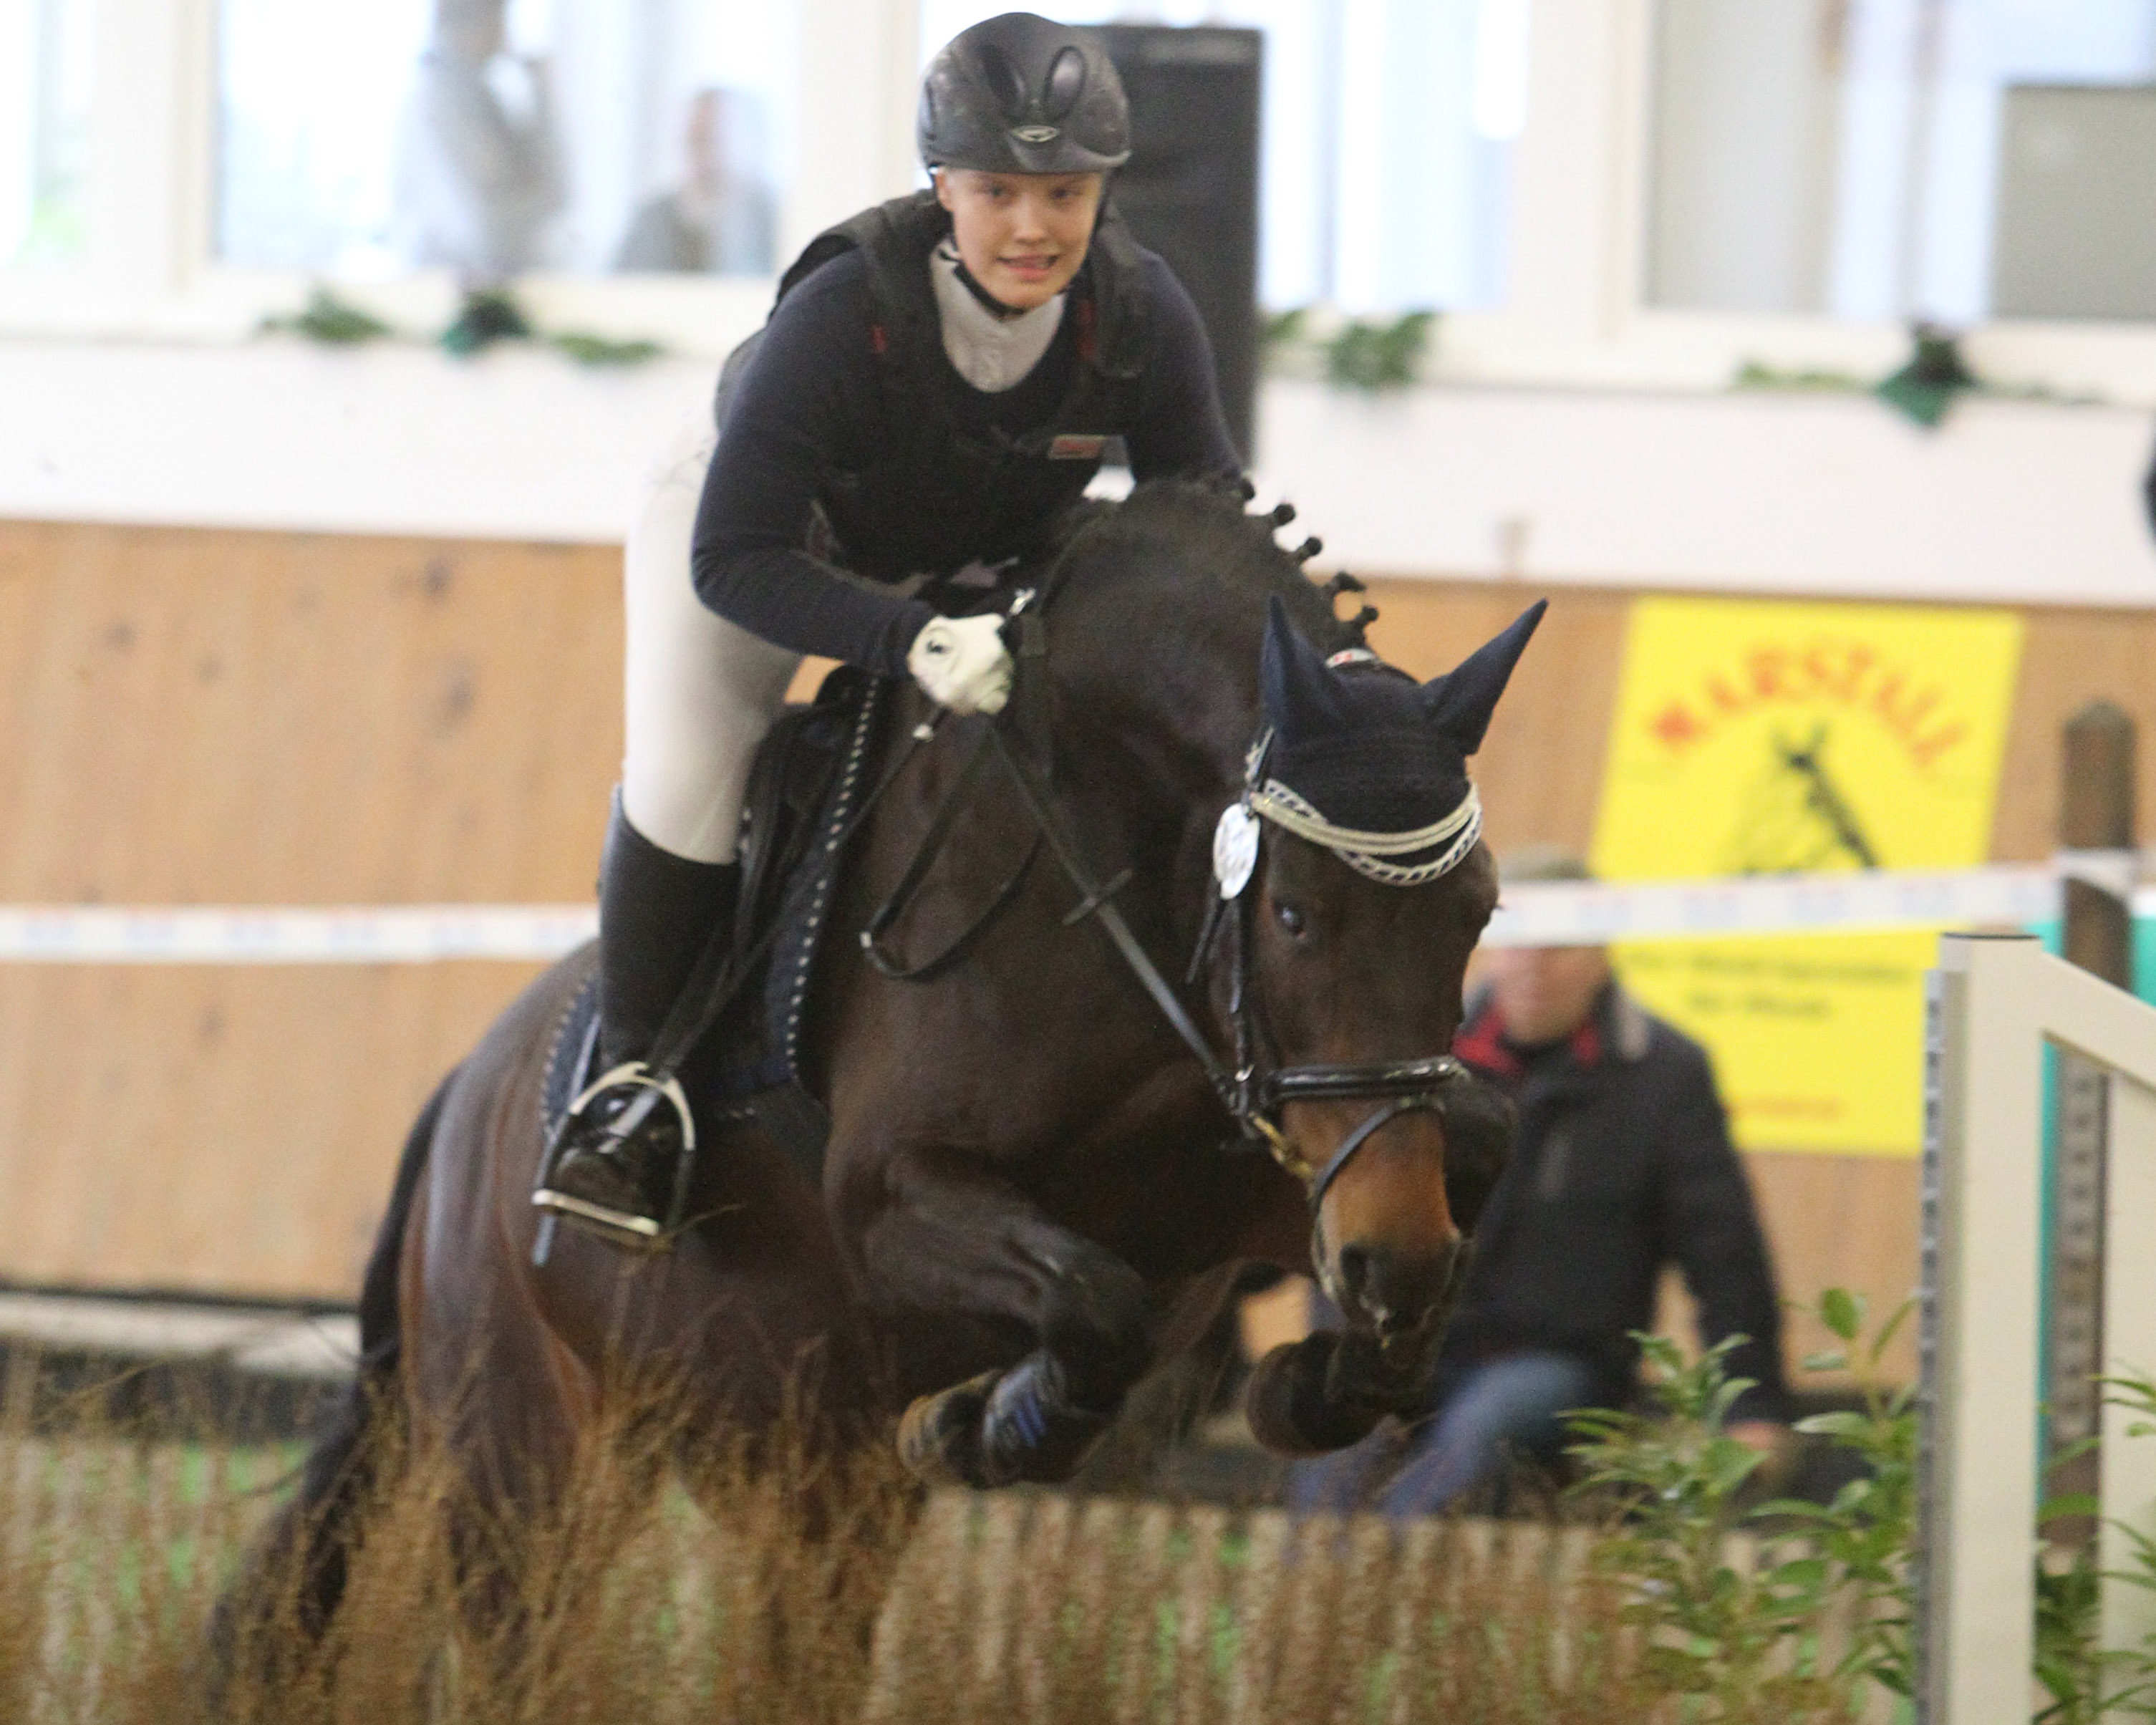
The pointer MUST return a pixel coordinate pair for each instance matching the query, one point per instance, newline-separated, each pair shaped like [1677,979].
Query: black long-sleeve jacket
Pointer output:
[1624,1164]
[814,419]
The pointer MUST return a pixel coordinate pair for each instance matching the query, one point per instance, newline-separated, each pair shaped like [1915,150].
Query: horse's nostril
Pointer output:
[1396,1291]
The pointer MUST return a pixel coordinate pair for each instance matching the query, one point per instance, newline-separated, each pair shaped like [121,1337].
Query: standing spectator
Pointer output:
[1623,1165]
[479,174]
[721,220]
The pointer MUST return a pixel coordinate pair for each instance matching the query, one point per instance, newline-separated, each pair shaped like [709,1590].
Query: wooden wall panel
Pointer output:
[1540,771]
[223,717]
[2070,658]
[207,716]
[217,1127]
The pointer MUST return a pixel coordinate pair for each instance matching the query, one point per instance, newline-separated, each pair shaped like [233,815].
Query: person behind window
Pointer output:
[479,174]
[1623,1165]
[721,220]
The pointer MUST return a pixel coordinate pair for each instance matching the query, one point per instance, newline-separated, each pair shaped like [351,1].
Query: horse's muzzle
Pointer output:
[1396,1293]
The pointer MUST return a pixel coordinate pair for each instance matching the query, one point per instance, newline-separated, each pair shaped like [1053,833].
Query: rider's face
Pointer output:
[1022,236]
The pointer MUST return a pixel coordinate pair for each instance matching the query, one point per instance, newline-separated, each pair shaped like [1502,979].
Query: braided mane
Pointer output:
[1202,531]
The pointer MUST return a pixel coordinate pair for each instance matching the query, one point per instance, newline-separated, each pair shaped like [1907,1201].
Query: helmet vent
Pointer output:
[1005,80]
[1067,83]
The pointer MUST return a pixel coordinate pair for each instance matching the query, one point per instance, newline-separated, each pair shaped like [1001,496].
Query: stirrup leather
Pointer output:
[621,1227]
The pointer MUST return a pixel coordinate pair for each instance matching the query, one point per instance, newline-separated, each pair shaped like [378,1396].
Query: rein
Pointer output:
[1253,1099]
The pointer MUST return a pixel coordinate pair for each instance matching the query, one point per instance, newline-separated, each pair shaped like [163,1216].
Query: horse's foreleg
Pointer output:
[958,1240]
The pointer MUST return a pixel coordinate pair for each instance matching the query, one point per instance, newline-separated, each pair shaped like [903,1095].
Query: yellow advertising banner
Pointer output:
[1762,737]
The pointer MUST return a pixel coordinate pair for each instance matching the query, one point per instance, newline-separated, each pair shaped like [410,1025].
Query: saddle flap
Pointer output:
[805,786]
[788,784]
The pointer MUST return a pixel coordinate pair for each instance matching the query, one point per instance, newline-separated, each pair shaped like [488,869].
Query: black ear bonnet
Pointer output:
[1362,759]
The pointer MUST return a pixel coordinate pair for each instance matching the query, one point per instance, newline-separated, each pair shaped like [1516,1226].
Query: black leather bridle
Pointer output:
[1403,1086]
[1253,1097]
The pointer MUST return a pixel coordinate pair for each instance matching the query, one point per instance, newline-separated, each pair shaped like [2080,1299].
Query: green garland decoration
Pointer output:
[1925,386]
[1924,389]
[1376,357]
[1371,356]
[334,322]
[488,315]
[588,349]
[486,318]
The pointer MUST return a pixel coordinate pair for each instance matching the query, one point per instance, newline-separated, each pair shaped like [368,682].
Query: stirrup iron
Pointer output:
[621,1228]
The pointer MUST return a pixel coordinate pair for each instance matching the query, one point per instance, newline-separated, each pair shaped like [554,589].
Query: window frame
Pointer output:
[1575,314]
[150,272]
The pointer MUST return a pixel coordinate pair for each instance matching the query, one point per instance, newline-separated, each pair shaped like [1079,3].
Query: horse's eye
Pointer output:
[1290,918]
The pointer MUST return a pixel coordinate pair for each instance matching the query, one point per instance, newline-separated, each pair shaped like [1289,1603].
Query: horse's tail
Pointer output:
[295,1577]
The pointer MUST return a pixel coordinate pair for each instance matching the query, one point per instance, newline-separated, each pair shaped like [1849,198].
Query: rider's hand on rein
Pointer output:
[962,664]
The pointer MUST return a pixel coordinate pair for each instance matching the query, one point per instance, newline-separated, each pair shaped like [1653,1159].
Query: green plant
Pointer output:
[1866,1531]
[1730,1638]
[2069,1663]
[2085,1681]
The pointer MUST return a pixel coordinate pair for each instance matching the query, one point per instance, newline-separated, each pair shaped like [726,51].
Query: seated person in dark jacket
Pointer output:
[1622,1164]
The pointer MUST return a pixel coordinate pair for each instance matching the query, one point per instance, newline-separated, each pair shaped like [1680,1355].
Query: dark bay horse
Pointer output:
[1034,1188]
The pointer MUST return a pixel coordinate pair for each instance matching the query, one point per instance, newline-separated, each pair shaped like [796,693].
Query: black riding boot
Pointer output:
[616,1171]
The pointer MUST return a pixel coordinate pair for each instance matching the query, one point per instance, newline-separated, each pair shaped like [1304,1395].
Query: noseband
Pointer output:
[1255,1100]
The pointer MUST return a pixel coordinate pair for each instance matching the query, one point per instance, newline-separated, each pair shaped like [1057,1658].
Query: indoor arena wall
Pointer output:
[228,717]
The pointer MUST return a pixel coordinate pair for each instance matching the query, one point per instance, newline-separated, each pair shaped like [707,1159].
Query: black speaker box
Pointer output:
[1190,189]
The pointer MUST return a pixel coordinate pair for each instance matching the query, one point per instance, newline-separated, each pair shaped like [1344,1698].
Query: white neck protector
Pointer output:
[991,353]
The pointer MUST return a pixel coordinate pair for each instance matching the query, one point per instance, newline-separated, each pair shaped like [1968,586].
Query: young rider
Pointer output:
[933,390]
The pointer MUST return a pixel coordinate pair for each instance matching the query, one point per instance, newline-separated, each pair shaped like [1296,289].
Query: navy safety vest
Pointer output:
[933,497]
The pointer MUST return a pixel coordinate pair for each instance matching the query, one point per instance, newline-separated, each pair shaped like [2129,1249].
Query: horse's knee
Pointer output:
[1098,1324]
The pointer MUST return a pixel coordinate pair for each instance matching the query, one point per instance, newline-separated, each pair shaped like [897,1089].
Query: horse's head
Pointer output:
[1368,888]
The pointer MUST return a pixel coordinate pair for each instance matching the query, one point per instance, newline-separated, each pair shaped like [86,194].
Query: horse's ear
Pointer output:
[1461,703]
[1302,694]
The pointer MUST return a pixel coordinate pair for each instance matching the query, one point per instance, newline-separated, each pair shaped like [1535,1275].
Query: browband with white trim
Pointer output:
[1365,852]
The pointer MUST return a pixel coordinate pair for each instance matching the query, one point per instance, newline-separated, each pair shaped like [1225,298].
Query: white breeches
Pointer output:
[699,693]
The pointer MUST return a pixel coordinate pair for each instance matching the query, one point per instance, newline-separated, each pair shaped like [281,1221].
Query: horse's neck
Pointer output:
[1173,696]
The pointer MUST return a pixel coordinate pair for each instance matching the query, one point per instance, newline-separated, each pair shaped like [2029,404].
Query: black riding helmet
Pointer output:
[1021,95]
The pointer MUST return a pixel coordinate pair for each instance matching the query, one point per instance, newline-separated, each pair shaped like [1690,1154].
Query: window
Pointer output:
[1888,158]
[45,128]
[1388,131]
[496,136]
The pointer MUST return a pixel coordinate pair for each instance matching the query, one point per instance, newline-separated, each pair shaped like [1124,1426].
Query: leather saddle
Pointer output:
[805,788]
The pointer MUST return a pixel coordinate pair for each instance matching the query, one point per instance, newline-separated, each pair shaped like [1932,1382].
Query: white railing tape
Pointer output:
[1544,914]
[1560,914]
[2111,871]
[349,934]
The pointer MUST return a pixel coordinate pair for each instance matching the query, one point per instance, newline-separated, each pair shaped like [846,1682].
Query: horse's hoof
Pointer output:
[1295,1402]
[939,1439]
